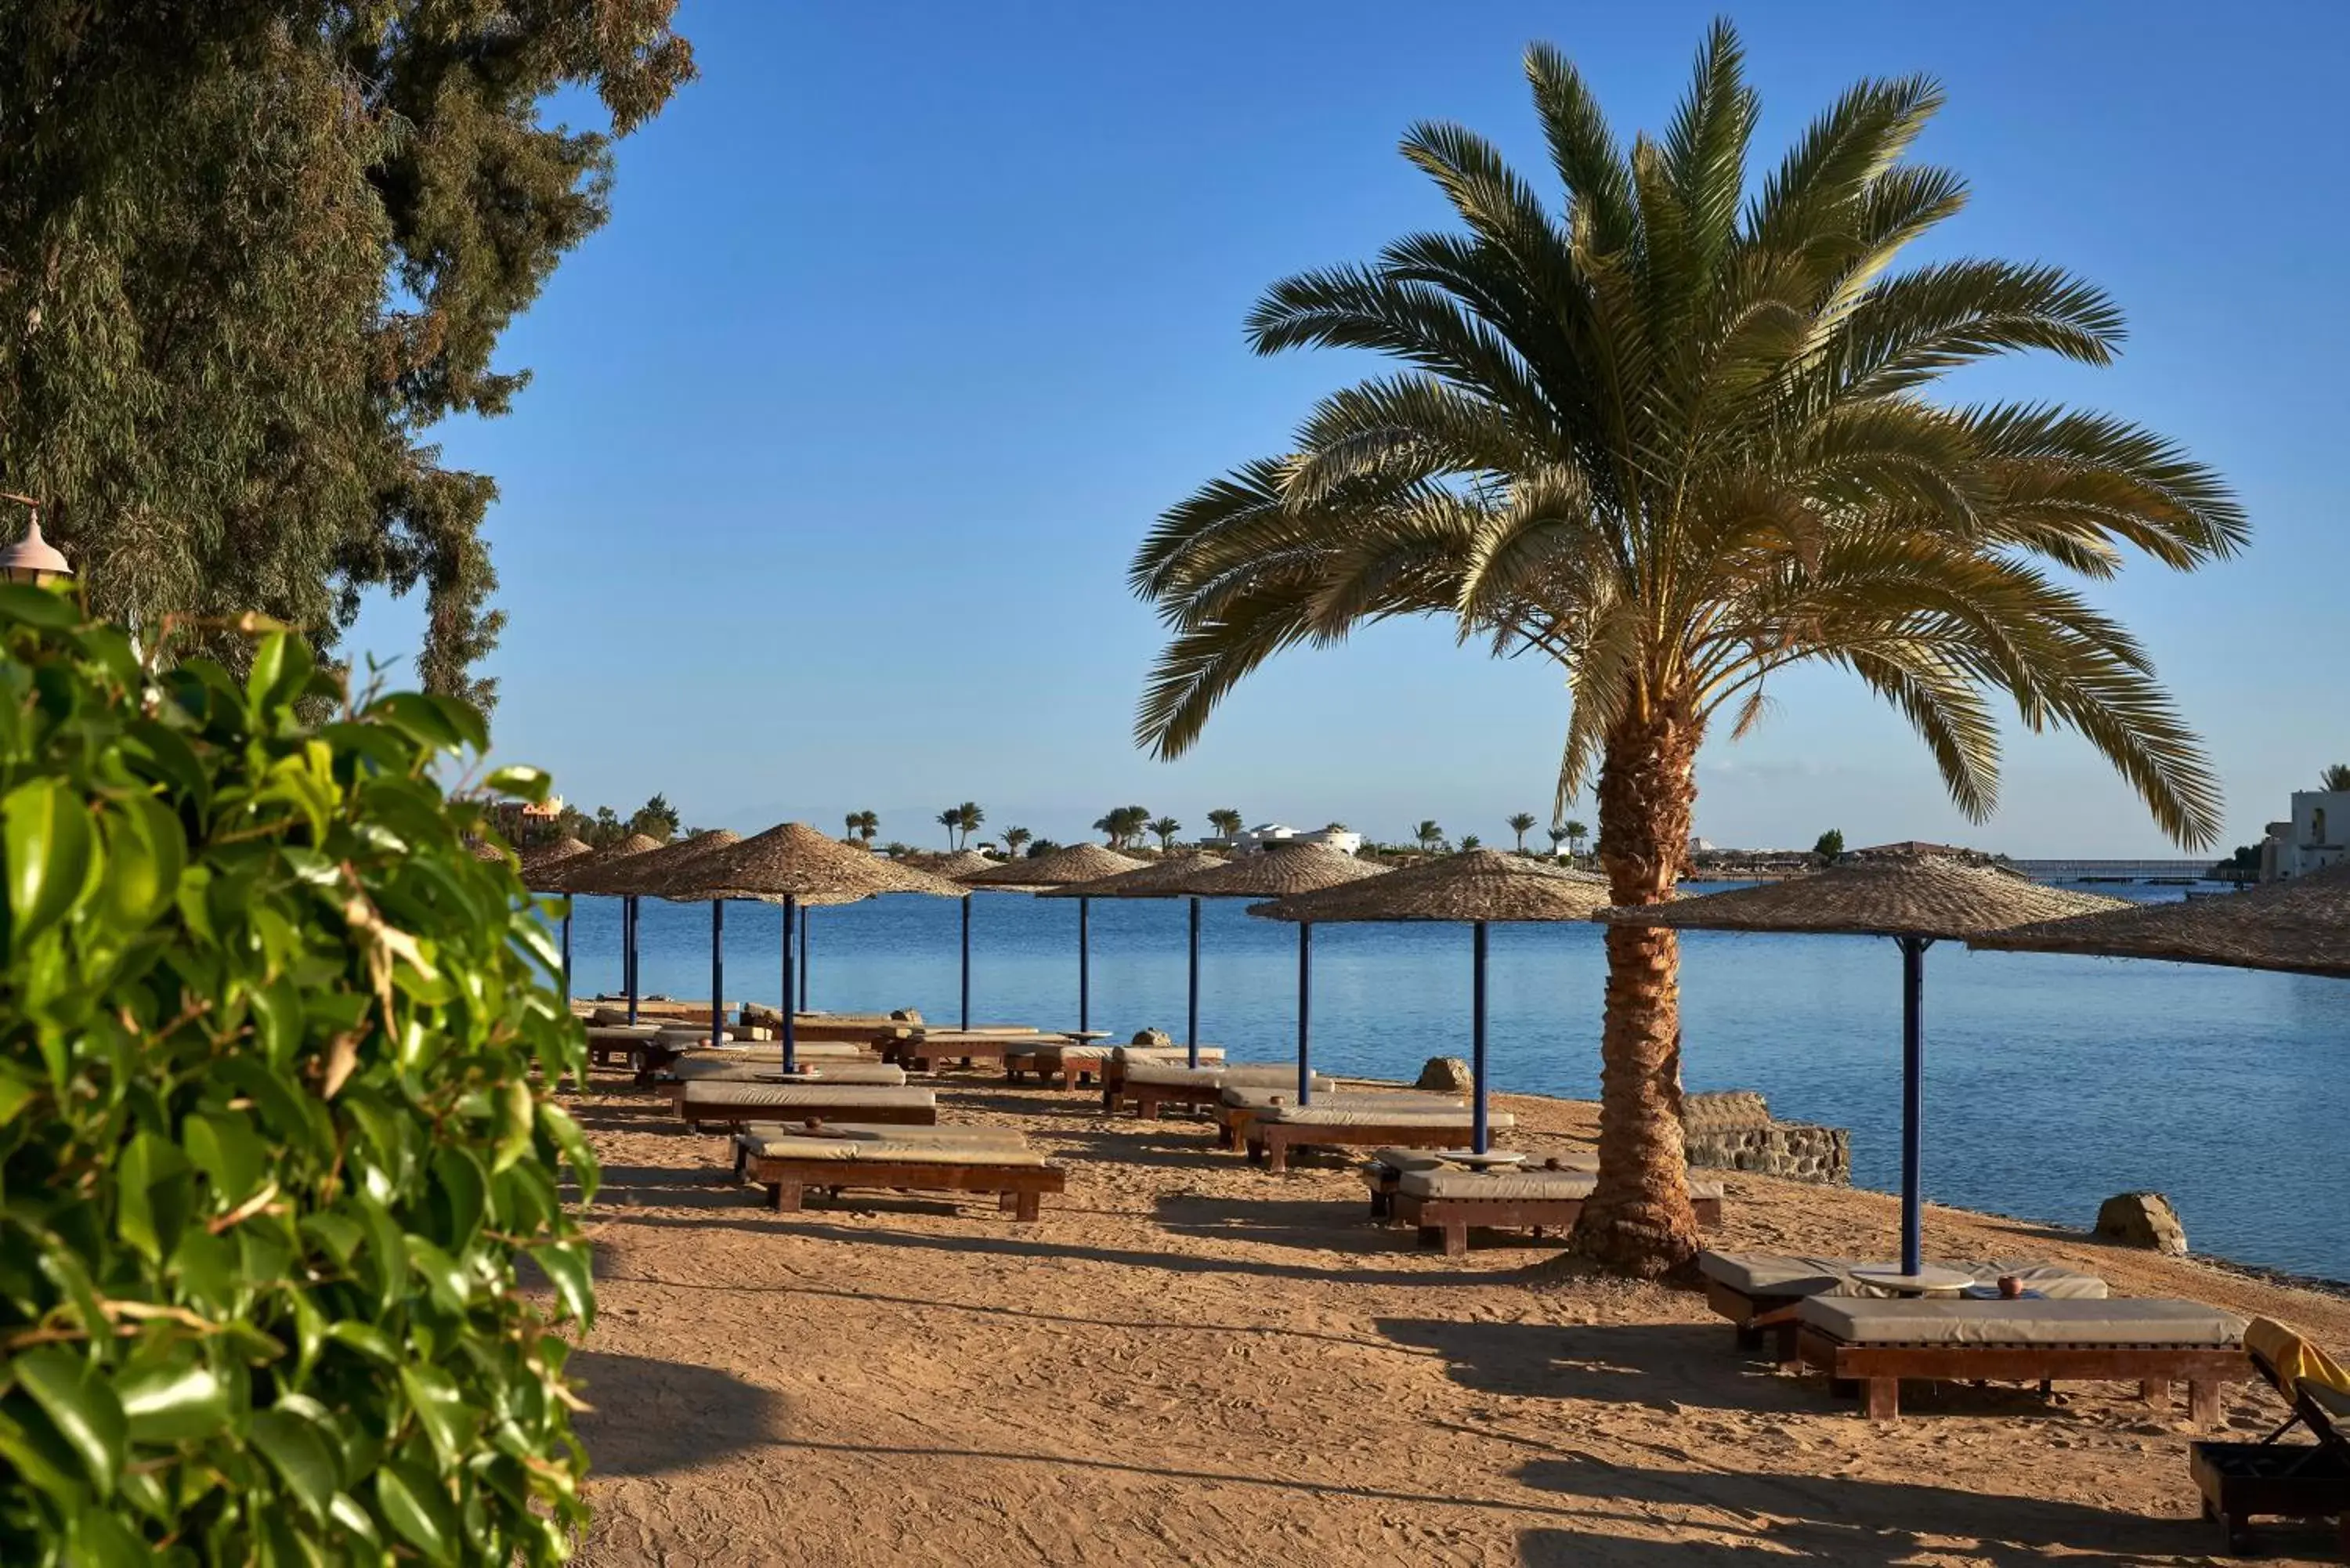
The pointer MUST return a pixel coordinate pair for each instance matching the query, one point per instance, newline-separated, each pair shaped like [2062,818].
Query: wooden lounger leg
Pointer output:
[784,1196]
[2203,1409]
[1884,1398]
[741,1161]
[1276,1155]
[1003,1202]
[1027,1205]
[1456,1240]
[2155,1391]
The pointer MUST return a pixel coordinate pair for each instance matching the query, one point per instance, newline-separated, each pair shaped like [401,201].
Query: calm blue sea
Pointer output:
[2052,1082]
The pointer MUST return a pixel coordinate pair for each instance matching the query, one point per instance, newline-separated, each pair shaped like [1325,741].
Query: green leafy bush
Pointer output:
[269,1149]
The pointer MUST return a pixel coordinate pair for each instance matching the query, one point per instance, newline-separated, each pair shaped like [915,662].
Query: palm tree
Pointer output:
[1428,835]
[968,816]
[1166,828]
[2336,777]
[1522,824]
[1014,837]
[1226,821]
[1677,439]
[951,819]
[863,825]
[1557,836]
[1577,832]
[1470,841]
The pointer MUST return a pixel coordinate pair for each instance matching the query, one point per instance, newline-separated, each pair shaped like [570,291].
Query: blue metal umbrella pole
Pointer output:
[1478,1130]
[966,960]
[1084,968]
[628,952]
[804,962]
[1913,1101]
[791,912]
[717,973]
[1306,1012]
[1192,998]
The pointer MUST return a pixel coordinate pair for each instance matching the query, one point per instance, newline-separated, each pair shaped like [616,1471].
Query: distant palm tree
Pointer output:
[1678,434]
[2336,777]
[1226,821]
[1336,828]
[968,816]
[1014,837]
[951,820]
[864,824]
[1522,824]
[1166,828]
[1470,841]
[1576,833]
[1428,835]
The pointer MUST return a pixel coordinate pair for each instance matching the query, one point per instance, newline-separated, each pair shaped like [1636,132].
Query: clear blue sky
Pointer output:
[911,317]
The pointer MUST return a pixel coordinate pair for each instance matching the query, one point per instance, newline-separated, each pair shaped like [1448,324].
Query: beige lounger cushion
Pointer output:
[1168,1056]
[1257,1097]
[1400,1160]
[1515,1184]
[1775,1274]
[712,1069]
[1056,1051]
[1325,1114]
[783,1096]
[898,1151]
[1860,1320]
[869,1132]
[814,1050]
[1174,1074]
[620,1034]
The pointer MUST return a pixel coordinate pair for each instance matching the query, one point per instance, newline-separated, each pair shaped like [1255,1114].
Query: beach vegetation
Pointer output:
[278,1157]
[1674,430]
[1227,821]
[1013,838]
[1521,823]
[2336,777]
[655,819]
[1164,829]
[1829,845]
[254,256]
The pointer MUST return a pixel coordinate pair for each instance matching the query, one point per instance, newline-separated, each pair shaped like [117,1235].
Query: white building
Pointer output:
[2317,837]
[1266,835]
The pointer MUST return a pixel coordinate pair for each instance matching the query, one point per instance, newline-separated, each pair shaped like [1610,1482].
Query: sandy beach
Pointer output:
[1189,1361]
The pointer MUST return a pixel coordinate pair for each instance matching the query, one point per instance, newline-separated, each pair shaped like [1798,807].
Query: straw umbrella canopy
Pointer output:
[792,864]
[962,863]
[1068,867]
[1283,871]
[1476,887]
[1916,900]
[536,864]
[2301,926]
[1162,879]
[566,878]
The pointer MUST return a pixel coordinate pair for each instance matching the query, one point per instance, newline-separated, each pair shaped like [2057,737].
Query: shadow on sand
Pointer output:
[651,1416]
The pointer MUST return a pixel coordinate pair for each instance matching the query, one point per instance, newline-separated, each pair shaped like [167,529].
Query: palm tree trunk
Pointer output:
[1638,1218]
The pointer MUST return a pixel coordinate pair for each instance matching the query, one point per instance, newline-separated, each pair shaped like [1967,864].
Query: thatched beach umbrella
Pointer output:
[536,865]
[566,878]
[960,864]
[653,872]
[1915,900]
[1283,872]
[792,864]
[1054,869]
[2300,927]
[1477,887]
[1161,880]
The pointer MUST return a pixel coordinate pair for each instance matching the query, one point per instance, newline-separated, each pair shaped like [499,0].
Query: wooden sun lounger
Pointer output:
[2280,1479]
[725,1103]
[923,1052]
[1270,1141]
[1238,1107]
[1758,1292]
[945,1159]
[1448,1217]
[2151,1342]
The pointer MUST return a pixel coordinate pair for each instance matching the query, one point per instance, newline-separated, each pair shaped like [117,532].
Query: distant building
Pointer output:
[2317,837]
[1267,834]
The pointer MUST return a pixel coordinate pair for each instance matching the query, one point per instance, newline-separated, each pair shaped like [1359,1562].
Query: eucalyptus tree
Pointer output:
[1522,823]
[1677,435]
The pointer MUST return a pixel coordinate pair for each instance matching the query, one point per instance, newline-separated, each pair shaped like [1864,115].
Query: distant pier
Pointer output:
[2171,871]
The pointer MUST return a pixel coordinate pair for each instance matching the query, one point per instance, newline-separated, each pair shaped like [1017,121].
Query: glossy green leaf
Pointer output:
[297,1451]
[51,849]
[172,1404]
[102,1540]
[441,1408]
[515,1110]
[418,1511]
[569,1269]
[78,1402]
[528,783]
